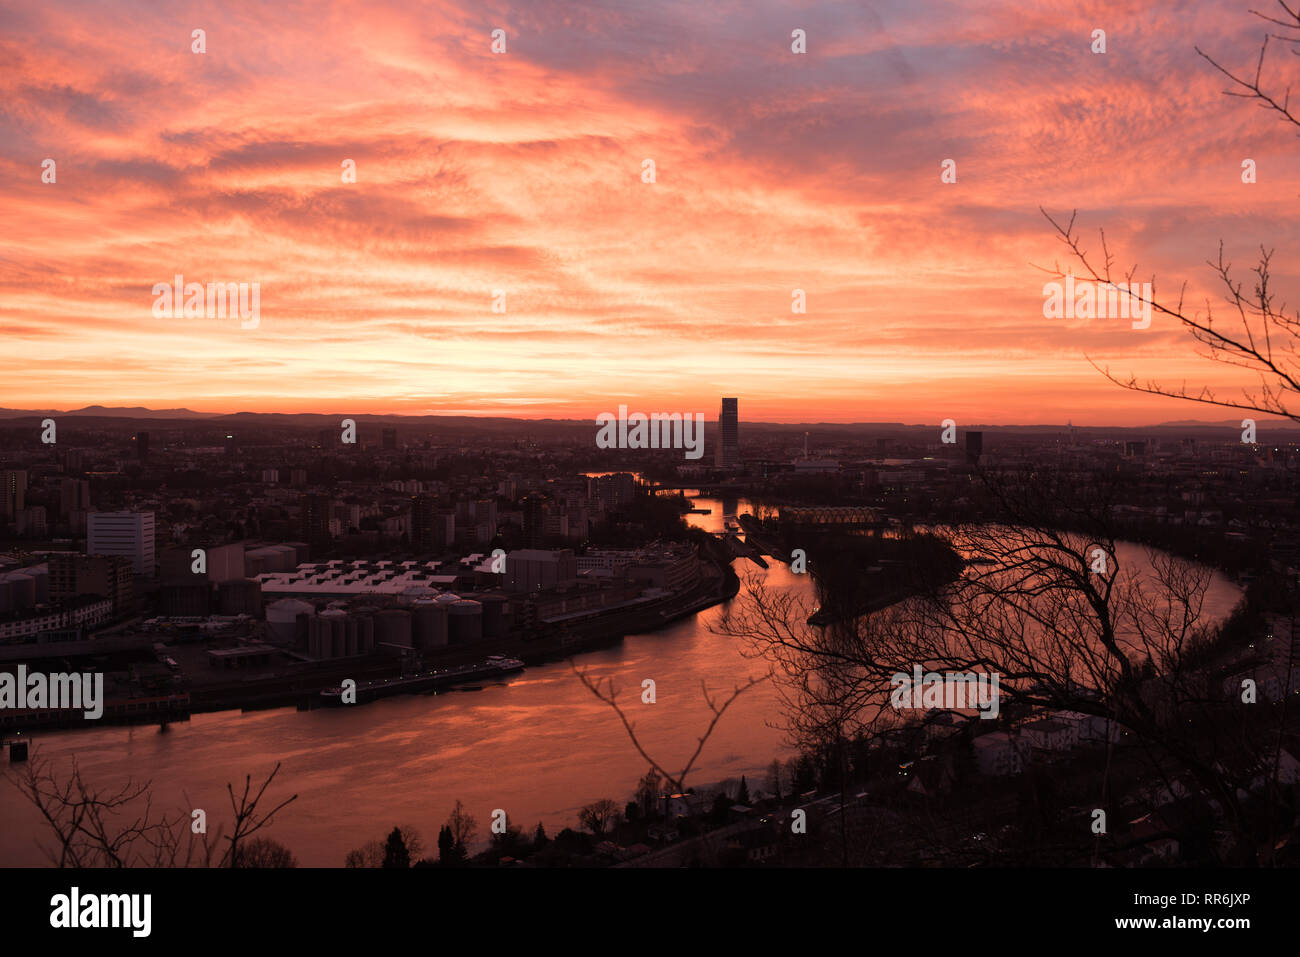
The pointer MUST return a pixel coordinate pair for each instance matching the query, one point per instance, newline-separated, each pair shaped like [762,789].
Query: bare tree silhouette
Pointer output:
[118,828]
[1259,333]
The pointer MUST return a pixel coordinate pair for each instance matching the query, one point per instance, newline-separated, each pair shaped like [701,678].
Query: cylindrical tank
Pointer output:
[430,625]
[494,616]
[365,633]
[393,627]
[282,619]
[332,624]
[465,624]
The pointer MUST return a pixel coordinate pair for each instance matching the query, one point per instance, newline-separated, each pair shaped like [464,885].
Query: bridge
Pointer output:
[654,488]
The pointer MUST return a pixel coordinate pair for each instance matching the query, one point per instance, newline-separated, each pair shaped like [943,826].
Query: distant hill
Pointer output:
[1228,423]
[113,412]
[139,412]
[498,422]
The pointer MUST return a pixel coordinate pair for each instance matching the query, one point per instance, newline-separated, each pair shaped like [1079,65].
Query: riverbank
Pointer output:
[537,744]
[299,683]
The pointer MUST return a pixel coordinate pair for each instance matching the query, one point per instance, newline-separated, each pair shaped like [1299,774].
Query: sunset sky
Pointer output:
[522,172]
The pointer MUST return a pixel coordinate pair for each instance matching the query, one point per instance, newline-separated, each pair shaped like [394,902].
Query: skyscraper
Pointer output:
[424,509]
[314,519]
[13,492]
[129,534]
[726,455]
[534,520]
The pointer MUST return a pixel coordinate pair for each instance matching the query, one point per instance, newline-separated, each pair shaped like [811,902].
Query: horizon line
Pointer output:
[139,412]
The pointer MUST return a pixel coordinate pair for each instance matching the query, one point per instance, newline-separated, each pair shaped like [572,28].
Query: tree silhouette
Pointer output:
[395,852]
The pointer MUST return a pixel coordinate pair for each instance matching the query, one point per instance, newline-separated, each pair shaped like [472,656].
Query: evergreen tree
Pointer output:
[446,847]
[395,852]
[742,796]
[540,840]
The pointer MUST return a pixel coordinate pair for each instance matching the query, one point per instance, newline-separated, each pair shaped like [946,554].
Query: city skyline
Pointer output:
[1208,417]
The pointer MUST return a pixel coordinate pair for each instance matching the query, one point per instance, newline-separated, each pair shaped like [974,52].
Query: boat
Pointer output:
[491,667]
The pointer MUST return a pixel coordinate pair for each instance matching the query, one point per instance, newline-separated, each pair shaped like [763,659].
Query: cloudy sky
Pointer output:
[522,172]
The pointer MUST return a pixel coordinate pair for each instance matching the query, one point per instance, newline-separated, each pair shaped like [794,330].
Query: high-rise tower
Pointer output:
[726,455]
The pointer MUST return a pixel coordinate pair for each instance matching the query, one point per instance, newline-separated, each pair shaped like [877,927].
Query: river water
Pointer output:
[538,745]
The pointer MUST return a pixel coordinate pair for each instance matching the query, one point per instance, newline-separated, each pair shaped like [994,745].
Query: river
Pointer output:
[537,745]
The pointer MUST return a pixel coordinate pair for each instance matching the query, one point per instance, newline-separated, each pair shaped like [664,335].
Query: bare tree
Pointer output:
[462,825]
[1062,629]
[598,816]
[610,697]
[247,821]
[1259,334]
[647,792]
[265,852]
[119,828]
[370,854]
[1254,88]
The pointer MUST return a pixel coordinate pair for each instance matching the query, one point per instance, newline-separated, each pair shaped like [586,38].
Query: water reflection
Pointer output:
[537,745]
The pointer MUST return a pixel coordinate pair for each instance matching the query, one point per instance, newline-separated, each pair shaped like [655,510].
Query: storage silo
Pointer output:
[465,622]
[365,631]
[393,627]
[282,620]
[430,624]
[334,622]
[494,616]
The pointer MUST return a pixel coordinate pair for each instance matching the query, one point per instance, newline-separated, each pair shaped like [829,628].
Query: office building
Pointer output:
[108,576]
[13,492]
[431,526]
[726,454]
[128,534]
[315,519]
[534,520]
